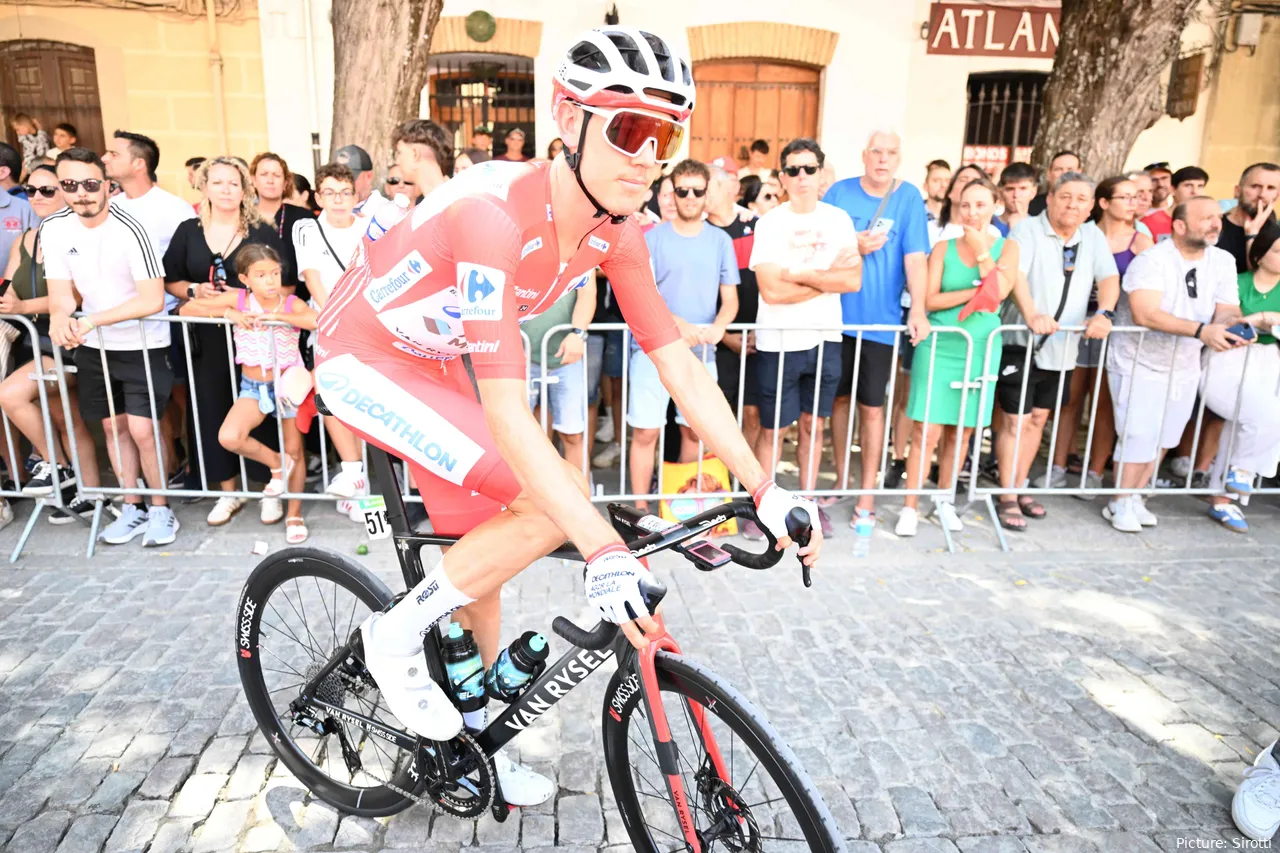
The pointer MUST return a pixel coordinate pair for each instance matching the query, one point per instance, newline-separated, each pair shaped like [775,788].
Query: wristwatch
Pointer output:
[1108,313]
[191,291]
[582,333]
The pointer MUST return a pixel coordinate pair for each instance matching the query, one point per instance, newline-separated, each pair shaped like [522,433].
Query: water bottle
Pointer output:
[464,669]
[862,528]
[386,217]
[516,667]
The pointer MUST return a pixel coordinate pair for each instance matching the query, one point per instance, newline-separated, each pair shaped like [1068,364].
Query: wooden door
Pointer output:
[742,100]
[53,82]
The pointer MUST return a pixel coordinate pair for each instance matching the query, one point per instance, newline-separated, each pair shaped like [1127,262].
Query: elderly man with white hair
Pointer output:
[893,239]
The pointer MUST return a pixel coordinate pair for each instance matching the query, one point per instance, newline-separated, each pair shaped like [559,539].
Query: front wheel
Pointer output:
[762,801]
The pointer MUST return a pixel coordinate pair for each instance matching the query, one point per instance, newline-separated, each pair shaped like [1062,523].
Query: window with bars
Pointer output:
[469,89]
[1003,116]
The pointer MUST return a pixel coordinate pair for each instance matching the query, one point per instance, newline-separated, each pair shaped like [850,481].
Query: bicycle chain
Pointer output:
[454,806]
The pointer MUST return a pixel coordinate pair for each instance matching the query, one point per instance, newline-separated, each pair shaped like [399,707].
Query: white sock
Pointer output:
[402,627]
[475,721]
[353,468]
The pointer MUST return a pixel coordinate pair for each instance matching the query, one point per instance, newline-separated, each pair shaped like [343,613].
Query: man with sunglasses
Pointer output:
[496,245]
[104,254]
[1185,290]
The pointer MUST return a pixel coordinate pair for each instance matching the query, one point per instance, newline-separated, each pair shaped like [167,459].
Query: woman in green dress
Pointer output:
[938,377]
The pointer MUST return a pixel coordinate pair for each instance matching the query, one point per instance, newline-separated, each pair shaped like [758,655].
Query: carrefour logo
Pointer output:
[482,290]
[411,270]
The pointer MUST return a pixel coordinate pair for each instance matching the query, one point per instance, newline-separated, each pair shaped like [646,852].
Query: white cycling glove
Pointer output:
[773,504]
[613,582]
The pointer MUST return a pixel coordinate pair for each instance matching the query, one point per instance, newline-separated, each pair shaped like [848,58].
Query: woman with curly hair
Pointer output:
[199,264]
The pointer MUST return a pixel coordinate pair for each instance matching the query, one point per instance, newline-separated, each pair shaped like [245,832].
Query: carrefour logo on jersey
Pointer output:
[482,290]
[411,270]
[598,244]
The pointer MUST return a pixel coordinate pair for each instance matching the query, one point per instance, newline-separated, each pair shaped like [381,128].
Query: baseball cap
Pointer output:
[484,128]
[354,158]
[515,131]
[729,164]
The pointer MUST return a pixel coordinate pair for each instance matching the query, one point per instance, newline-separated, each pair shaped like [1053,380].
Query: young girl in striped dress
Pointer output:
[262,363]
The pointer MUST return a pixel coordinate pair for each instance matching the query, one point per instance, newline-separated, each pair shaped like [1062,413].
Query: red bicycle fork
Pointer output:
[665,748]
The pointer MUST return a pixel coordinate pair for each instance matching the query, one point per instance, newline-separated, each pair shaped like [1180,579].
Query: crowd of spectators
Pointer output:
[774,241]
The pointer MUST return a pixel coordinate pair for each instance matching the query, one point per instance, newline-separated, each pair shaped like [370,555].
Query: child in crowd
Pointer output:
[33,141]
[263,370]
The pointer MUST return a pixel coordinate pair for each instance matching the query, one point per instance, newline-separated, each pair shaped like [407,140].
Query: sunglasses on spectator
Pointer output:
[683,192]
[794,171]
[338,193]
[1069,259]
[628,132]
[218,272]
[397,181]
[1193,289]
[46,191]
[91,185]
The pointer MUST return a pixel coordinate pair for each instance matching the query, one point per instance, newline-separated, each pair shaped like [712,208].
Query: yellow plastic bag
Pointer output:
[683,477]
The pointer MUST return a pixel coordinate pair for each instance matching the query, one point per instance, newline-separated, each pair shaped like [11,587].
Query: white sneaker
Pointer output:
[1256,806]
[1146,517]
[1121,514]
[409,692]
[908,521]
[1091,481]
[945,512]
[351,510]
[520,785]
[6,513]
[162,527]
[604,429]
[1055,479]
[346,484]
[1180,467]
[607,458]
[272,510]
[223,510]
[131,522]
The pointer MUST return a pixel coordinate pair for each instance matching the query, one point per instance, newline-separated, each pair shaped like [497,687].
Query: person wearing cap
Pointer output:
[1188,182]
[514,141]
[482,137]
[360,163]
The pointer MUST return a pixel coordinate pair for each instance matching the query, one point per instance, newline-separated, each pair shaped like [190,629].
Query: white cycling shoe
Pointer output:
[520,785]
[408,690]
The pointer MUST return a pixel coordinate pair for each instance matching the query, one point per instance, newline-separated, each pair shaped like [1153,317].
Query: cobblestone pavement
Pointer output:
[1089,692]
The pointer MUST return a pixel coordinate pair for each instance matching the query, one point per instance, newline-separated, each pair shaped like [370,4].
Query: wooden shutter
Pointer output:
[53,82]
[740,101]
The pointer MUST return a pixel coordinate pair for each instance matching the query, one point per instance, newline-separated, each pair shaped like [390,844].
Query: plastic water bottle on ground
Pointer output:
[862,534]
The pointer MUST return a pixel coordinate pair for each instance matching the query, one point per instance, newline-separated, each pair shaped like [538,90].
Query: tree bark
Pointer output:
[1105,88]
[380,50]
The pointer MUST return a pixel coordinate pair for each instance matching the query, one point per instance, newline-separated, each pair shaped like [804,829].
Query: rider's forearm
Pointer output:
[542,474]
[705,408]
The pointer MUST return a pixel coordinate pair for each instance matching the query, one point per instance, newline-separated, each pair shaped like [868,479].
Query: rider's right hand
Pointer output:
[612,580]
[774,504]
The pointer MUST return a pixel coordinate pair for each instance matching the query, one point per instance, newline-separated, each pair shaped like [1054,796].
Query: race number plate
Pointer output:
[375,517]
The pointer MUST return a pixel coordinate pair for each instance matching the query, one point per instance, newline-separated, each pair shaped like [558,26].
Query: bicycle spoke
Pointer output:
[306,626]
[263,648]
[325,605]
[284,627]
[286,687]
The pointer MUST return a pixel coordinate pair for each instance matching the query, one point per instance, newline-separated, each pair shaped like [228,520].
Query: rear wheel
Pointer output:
[298,607]
[763,802]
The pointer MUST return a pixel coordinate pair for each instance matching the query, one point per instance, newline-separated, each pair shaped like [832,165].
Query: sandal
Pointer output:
[1010,516]
[295,534]
[828,501]
[1031,508]
[279,479]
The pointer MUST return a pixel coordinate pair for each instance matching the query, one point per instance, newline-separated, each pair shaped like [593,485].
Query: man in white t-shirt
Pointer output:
[103,253]
[805,255]
[1184,289]
[325,246]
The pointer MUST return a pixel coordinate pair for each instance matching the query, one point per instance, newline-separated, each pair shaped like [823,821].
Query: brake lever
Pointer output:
[799,529]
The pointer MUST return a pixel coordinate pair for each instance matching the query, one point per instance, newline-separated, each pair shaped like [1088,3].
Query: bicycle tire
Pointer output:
[679,676]
[274,571]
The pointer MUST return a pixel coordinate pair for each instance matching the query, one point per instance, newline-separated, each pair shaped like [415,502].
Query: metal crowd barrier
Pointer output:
[975,492]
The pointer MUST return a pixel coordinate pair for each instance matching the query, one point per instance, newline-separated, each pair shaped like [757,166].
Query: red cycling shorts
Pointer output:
[425,412]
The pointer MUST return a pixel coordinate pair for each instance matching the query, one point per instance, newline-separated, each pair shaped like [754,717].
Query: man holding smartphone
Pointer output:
[893,239]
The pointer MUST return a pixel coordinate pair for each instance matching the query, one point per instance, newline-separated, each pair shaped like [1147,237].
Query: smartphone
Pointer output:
[882,226]
[708,553]
[1243,331]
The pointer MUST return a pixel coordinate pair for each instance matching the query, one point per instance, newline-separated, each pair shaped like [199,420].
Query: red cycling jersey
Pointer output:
[458,275]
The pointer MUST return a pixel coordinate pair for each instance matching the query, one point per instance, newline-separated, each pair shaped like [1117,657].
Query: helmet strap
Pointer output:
[574,160]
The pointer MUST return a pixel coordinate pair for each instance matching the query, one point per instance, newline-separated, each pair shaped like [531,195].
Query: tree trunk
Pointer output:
[1105,85]
[380,50]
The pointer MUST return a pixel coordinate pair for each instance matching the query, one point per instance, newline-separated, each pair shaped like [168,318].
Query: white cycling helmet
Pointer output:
[616,67]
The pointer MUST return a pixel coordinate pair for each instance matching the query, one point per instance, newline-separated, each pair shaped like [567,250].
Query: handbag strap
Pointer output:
[1067,272]
[884,202]
[332,253]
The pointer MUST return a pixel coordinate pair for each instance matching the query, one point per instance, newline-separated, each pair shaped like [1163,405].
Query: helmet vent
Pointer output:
[630,52]
[660,51]
[588,56]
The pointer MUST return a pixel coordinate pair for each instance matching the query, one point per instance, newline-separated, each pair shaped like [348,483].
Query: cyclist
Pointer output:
[481,253]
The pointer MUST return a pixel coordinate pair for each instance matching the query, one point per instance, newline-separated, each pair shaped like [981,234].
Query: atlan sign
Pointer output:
[967,29]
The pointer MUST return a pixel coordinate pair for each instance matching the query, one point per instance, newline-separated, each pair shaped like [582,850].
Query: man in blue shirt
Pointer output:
[894,248]
[16,216]
[693,264]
